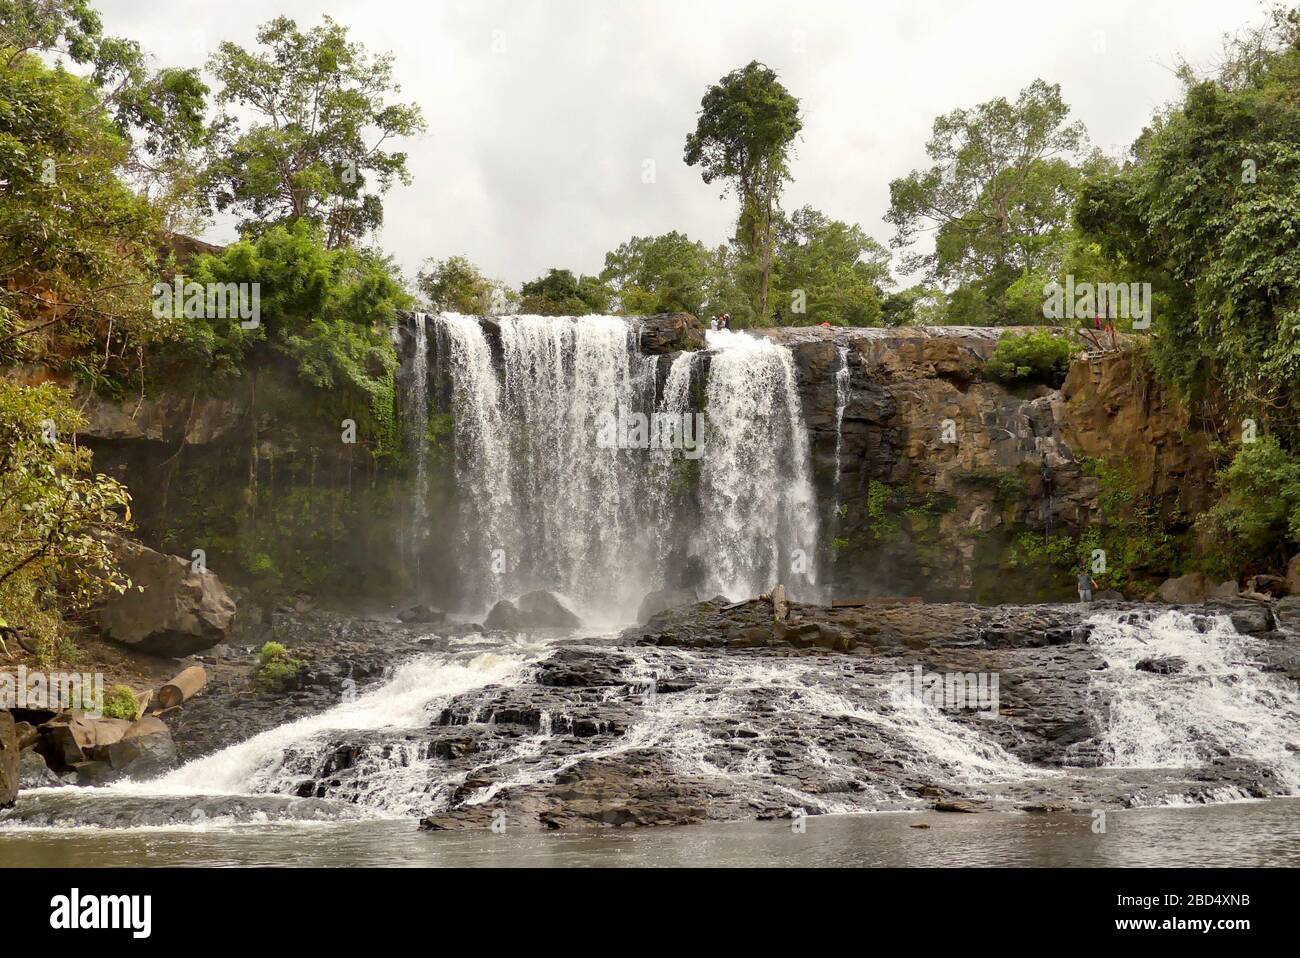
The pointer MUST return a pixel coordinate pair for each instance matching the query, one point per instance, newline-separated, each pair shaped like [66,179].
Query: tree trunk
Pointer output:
[182,688]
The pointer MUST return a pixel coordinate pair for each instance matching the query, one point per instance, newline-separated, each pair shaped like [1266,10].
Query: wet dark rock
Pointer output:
[9,760]
[145,750]
[662,600]
[533,610]
[34,773]
[669,333]
[1169,665]
[422,614]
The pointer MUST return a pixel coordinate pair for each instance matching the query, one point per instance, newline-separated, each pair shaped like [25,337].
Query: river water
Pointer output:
[1247,833]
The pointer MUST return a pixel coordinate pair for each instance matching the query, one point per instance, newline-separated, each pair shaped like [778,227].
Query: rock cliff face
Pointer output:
[254,471]
[942,474]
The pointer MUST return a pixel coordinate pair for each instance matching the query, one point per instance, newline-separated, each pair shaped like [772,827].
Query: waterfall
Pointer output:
[1218,703]
[841,403]
[544,504]
[758,522]
[417,440]
[482,451]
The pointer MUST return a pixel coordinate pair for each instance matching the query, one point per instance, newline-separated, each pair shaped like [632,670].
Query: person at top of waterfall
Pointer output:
[725,323]
[713,323]
[1086,586]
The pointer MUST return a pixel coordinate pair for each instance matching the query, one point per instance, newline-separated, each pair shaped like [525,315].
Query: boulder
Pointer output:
[1273,586]
[1224,590]
[1251,618]
[170,609]
[34,773]
[422,615]
[669,332]
[533,610]
[1187,589]
[145,749]
[1168,665]
[71,738]
[1288,612]
[1293,576]
[1109,595]
[661,600]
[9,760]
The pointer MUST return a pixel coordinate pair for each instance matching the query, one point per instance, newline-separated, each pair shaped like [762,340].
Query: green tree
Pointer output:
[748,122]
[455,285]
[658,274]
[77,257]
[1258,517]
[56,517]
[998,198]
[1208,211]
[329,310]
[918,305]
[314,149]
[560,293]
[828,271]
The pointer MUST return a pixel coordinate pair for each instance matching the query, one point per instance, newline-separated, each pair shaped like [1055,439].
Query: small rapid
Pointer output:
[1213,702]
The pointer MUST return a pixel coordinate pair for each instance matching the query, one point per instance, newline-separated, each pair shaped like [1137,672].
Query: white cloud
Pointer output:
[534,153]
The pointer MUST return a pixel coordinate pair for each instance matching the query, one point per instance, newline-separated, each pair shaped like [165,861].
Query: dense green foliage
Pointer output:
[560,293]
[1208,211]
[827,271]
[314,151]
[455,285]
[56,517]
[1037,356]
[998,197]
[1260,507]
[661,274]
[275,667]
[120,703]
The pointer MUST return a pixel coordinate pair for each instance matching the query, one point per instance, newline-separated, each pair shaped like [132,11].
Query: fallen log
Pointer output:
[182,688]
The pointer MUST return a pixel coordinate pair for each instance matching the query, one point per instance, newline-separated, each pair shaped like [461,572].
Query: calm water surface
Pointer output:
[1255,833]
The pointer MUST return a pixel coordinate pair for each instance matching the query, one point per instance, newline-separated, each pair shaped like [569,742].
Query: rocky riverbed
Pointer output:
[723,711]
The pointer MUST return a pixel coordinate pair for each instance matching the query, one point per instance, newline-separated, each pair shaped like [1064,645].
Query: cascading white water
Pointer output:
[482,449]
[758,519]
[417,439]
[408,700]
[841,403]
[578,522]
[1220,703]
[543,498]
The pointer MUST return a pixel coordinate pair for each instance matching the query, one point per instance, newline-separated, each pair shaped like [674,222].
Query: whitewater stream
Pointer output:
[245,803]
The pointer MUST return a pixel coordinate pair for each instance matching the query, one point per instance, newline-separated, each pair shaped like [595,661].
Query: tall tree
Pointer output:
[828,271]
[322,113]
[747,124]
[998,196]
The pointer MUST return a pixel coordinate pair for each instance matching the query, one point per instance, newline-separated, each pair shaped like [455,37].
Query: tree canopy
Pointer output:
[747,125]
[315,149]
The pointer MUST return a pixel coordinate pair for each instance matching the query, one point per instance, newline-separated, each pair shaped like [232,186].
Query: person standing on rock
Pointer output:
[713,323]
[1086,586]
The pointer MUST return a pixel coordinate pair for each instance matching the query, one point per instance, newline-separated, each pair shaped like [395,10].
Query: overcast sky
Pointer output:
[542,114]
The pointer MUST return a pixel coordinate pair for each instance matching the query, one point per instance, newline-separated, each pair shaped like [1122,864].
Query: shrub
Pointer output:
[120,703]
[275,667]
[1036,356]
[1259,513]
